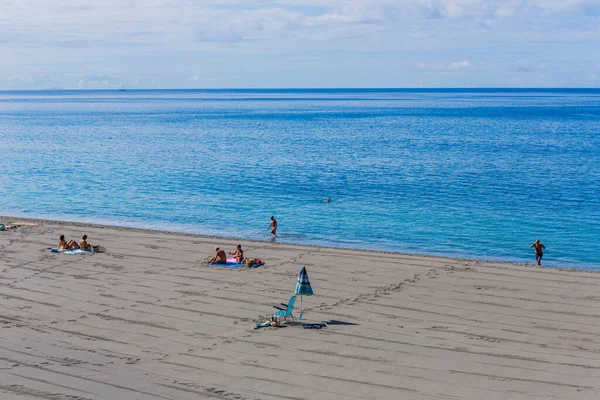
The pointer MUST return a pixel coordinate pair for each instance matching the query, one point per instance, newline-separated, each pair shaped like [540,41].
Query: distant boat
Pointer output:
[122,88]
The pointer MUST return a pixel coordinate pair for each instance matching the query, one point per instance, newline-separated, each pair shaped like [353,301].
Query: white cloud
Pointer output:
[223,26]
[99,81]
[505,12]
[550,7]
[171,42]
[158,23]
[197,78]
[523,66]
[459,65]
[33,82]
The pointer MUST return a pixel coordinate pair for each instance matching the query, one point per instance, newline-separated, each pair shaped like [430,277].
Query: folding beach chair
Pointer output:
[285,310]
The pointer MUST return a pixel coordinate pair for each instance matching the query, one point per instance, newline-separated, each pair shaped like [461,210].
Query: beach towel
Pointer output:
[232,263]
[254,262]
[263,325]
[71,251]
[313,326]
[274,322]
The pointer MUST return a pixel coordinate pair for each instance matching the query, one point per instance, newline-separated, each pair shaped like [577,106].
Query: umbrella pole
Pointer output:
[301,307]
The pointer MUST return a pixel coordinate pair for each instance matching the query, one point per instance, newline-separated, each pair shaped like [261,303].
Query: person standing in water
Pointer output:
[273,225]
[539,251]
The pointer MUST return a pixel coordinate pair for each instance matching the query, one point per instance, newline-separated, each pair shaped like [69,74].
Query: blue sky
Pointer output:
[95,44]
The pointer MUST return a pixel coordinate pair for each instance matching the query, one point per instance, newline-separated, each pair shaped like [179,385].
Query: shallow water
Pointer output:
[469,173]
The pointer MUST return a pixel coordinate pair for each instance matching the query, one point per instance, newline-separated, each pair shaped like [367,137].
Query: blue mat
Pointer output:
[72,251]
[229,265]
[313,326]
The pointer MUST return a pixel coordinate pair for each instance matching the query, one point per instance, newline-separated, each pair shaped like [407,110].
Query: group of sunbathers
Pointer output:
[236,256]
[220,256]
[72,245]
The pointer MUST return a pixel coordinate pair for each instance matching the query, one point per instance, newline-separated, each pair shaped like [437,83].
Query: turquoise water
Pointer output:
[469,173]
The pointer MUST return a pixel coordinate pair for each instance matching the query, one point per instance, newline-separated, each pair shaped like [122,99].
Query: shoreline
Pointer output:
[5,218]
[226,238]
[146,318]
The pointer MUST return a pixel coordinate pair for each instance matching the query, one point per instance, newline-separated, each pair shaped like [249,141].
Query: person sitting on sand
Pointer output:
[238,254]
[220,256]
[84,245]
[64,245]
[539,251]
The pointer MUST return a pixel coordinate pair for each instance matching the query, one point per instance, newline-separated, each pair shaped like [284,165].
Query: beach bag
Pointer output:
[2,227]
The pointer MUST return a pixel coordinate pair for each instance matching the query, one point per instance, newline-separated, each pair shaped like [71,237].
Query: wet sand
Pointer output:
[147,319]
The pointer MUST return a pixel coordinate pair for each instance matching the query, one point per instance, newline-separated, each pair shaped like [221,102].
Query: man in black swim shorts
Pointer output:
[539,251]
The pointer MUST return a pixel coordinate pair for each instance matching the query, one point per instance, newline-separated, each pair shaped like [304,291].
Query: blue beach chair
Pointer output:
[286,310]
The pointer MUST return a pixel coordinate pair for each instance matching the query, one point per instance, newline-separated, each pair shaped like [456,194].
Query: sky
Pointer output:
[103,44]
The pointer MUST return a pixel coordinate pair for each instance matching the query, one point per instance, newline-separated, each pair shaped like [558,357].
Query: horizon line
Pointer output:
[119,89]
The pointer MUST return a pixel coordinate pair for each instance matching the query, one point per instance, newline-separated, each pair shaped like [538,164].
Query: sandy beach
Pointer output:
[146,319]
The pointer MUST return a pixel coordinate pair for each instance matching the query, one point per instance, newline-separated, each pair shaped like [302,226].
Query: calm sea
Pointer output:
[469,173]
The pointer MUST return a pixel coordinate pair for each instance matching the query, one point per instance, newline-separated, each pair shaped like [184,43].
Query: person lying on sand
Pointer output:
[84,245]
[252,262]
[220,256]
[238,254]
[64,245]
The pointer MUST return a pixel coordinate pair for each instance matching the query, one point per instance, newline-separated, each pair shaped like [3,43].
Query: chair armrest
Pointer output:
[284,304]
[280,308]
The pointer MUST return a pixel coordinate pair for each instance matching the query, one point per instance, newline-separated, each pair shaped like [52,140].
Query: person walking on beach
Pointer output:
[273,225]
[539,251]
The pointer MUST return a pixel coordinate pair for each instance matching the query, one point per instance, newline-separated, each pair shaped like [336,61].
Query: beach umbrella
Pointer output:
[303,287]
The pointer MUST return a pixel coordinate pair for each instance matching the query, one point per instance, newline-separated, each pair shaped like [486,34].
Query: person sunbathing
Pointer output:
[253,262]
[64,245]
[84,245]
[238,254]
[220,257]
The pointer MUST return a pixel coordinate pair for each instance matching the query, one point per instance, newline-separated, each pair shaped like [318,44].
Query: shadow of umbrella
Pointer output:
[335,322]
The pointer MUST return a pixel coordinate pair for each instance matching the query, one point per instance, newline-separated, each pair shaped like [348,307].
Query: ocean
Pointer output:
[464,173]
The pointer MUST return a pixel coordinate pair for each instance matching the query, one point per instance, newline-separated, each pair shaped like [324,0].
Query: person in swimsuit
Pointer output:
[539,251]
[84,245]
[64,245]
[220,257]
[238,254]
[273,225]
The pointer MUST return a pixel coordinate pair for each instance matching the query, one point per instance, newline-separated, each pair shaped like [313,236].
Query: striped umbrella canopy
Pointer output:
[303,287]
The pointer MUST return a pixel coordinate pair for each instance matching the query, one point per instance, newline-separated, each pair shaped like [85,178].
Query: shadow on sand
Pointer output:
[335,322]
